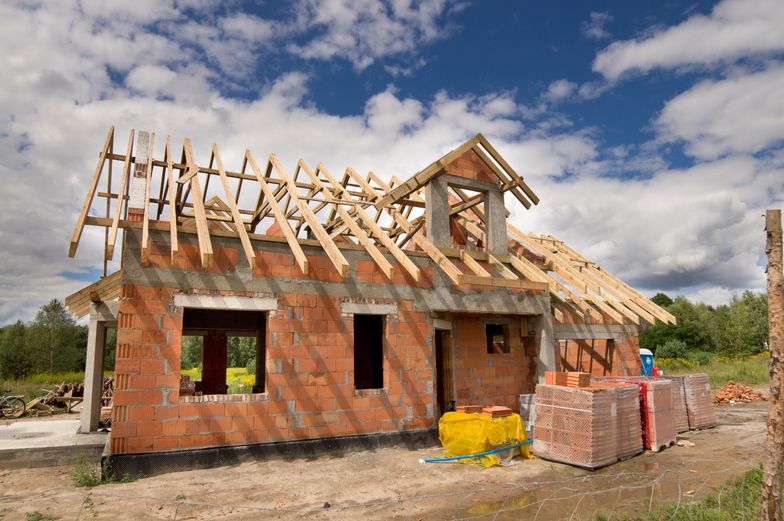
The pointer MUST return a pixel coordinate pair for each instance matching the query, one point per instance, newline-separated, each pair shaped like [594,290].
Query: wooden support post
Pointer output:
[288,233]
[172,199]
[202,228]
[774,443]
[121,192]
[235,213]
[77,233]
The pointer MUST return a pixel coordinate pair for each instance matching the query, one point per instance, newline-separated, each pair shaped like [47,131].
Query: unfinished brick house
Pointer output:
[373,304]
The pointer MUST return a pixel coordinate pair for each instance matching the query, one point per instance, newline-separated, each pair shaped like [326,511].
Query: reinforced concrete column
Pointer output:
[93,376]
[547,356]
[437,212]
[495,218]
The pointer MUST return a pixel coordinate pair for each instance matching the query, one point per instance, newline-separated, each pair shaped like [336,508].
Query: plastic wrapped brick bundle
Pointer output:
[577,426]
[628,417]
[657,407]
[699,401]
[680,415]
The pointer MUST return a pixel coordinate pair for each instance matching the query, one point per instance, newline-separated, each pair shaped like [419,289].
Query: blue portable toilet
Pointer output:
[647,362]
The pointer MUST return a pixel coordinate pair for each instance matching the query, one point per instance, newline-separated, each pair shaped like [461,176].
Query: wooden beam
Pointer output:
[332,251]
[202,229]
[172,199]
[502,177]
[473,265]
[238,222]
[364,240]
[374,228]
[506,166]
[288,233]
[118,210]
[88,199]
[146,219]
[501,267]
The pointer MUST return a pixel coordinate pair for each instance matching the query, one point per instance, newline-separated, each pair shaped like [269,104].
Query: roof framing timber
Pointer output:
[365,213]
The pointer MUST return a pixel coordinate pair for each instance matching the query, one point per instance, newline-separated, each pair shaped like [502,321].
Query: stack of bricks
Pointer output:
[578,379]
[679,409]
[699,401]
[577,426]
[629,422]
[658,414]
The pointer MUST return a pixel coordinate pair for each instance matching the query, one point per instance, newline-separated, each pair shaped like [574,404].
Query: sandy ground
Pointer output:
[391,484]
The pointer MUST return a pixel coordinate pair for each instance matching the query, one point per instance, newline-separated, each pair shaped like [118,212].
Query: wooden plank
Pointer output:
[428,247]
[473,265]
[424,175]
[288,233]
[146,219]
[501,267]
[202,229]
[506,283]
[172,199]
[506,166]
[375,229]
[118,210]
[332,251]
[502,177]
[238,222]
[88,199]
[364,240]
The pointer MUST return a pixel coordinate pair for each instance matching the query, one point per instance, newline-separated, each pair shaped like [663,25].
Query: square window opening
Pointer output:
[497,338]
[368,351]
[223,352]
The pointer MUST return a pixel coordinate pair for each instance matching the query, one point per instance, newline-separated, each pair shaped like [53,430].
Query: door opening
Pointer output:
[444,397]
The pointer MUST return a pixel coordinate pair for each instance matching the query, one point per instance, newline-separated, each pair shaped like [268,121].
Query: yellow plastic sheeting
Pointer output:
[462,434]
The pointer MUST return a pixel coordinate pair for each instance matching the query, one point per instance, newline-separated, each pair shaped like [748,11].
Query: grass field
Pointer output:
[237,378]
[750,370]
[738,500]
[39,384]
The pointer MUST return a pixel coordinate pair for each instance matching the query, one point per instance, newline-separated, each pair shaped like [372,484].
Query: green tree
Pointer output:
[190,355]
[741,327]
[15,360]
[660,299]
[54,338]
[240,351]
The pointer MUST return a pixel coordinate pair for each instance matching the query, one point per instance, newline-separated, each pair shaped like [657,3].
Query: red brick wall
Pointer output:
[599,359]
[310,389]
[471,166]
[491,379]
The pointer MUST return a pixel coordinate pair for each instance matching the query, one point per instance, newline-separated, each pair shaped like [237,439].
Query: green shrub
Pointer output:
[251,366]
[673,348]
[699,357]
[84,474]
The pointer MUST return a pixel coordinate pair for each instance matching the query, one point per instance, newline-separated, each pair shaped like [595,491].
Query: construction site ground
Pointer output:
[392,484]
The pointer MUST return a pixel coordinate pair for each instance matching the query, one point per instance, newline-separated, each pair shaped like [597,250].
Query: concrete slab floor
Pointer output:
[29,434]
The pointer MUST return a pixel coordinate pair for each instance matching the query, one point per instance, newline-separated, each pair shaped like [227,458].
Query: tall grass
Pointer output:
[750,370]
[37,385]
[739,499]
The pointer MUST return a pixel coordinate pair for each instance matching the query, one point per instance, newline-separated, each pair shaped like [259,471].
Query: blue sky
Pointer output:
[653,132]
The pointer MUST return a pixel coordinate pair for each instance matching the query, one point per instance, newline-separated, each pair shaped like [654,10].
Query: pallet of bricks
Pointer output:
[658,413]
[584,425]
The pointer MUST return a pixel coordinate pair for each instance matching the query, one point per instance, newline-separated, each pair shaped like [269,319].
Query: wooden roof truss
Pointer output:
[310,206]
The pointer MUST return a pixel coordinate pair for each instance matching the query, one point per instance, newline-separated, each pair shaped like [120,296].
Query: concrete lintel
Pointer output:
[104,311]
[359,308]
[470,184]
[226,302]
[440,323]
[592,331]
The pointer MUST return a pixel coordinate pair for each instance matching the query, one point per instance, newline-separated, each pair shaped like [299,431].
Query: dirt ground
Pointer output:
[392,484]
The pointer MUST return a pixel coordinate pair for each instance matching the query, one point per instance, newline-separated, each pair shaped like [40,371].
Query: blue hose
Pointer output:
[453,458]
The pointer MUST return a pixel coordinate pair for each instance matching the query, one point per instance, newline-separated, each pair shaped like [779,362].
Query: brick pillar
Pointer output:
[214,356]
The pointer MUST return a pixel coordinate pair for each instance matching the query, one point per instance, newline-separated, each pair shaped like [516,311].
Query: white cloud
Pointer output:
[734,29]
[741,114]
[363,31]
[695,226]
[594,28]
[559,90]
